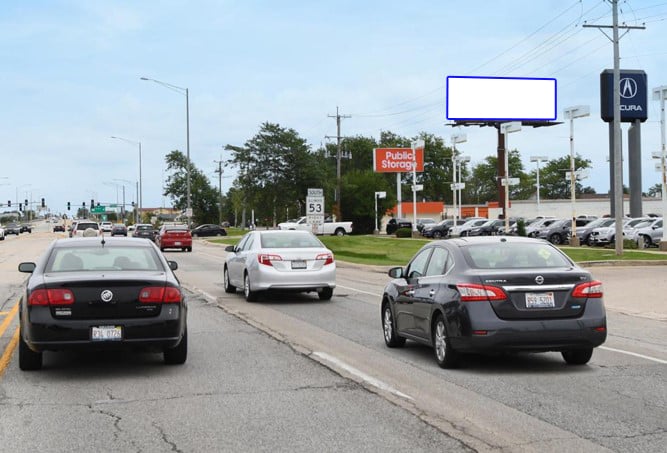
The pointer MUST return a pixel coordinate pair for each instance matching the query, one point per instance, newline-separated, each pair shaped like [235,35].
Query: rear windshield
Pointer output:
[508,255]
[98,258]
[83,226]
[144,227]
[290,239]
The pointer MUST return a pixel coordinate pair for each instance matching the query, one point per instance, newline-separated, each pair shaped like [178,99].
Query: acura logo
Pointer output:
[628,88]
[539,279]
[106,295]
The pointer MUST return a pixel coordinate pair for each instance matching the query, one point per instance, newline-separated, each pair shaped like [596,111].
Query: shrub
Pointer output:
[404,233]
[521,227]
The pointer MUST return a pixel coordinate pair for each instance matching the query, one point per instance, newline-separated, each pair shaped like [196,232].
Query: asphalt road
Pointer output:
[294,373]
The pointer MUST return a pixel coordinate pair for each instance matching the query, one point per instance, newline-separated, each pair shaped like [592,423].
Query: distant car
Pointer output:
[82,225]
[463,230]
[584,232]
[607,235]
[500,293]
[533,230]
[209,229]
[59,228]
[144,230]
[174,237]
[106,226]
[279,260]
[421,223]
[650,235]
[13,228]
[440,229]
[93,293]
[488,228]
[557,232]
[394,224]
[26,228]
[118,229]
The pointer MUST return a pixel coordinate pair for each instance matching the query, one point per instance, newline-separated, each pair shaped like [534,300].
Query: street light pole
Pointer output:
[140,195]
[538,159]
[456,138]
[660,94]
[571,113]
[186,91]
[506,129]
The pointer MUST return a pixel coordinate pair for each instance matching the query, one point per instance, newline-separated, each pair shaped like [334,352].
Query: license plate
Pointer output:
[177,243]
[298,264]
[106,333]
[540,300]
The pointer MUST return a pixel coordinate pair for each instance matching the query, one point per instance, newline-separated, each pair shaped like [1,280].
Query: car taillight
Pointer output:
[265,258]
[159,294]
[471,292]
[327,257]
[51,297]
[589,289]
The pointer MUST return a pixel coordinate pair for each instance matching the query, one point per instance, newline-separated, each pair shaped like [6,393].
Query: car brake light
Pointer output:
[51,297]
[265,258]
[589,289]
[159,294]
[327,257]
[471,292]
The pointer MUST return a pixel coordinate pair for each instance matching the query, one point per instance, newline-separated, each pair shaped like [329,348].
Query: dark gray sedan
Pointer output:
[497,293]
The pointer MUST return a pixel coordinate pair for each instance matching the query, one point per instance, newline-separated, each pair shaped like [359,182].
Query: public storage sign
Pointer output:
[396,160]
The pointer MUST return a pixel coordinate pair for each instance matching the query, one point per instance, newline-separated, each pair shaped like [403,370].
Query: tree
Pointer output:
[484,185]
[359,187]
[654,191]
[553,184]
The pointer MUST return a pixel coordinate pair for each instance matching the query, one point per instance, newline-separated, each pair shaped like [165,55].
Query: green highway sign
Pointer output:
[98,210]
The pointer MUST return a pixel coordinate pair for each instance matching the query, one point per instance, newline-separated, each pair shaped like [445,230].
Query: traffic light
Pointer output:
[20,207]
[68,205]
[43,204]
[26,203]
[9,203]
[92,203]
[83,204]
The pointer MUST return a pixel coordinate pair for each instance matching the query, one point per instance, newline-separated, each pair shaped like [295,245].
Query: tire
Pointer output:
[177,355]
[391,338]
[250,295]
[577,356]
[437,235]
[589,240]
[194,235]
[29,360]
[647,241]
[229,288]
[555,239]
[325,293]
[189,249]
[339,232]
[445,355]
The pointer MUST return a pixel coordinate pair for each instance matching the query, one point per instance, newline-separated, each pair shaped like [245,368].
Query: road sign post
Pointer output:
[315,208]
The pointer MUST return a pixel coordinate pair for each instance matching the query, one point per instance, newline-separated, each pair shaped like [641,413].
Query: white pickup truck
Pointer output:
[328,227]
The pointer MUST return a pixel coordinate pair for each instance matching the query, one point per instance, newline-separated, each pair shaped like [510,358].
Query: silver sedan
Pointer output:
[280,260]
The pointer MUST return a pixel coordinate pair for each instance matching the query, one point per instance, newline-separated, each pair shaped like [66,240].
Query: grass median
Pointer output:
[391,251]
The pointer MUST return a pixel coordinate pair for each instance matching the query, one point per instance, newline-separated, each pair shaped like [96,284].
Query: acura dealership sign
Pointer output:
[633,92]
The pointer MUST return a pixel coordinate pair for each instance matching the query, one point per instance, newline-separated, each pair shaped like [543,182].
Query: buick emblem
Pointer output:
[106,295]
[539,279]
[628,88]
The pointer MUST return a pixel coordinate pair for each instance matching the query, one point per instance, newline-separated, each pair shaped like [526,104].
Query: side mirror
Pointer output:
[173,265]
[396,272]
[27,267]
[230,248]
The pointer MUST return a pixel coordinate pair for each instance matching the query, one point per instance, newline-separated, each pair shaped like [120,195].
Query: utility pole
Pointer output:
[618,152]
[219,172]
[338,137]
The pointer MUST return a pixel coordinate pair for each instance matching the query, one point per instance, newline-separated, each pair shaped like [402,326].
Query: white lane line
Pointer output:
[642,356]
[358,290]
[363,376]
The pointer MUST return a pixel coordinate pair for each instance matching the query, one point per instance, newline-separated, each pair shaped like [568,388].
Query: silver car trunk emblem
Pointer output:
[539,279]
[106,295]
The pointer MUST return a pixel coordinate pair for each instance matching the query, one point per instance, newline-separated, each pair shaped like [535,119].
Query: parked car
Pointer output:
[533,230]
[328,227]
[279,260]
[440,229]
[26,228]
[470,223]
[13,228]
[115,293]
[394,224]
[174,237]
[118,229]
[557,232]
[422,222]
[144,230]
[488,228]
[484,294]
[650,235]
[79,230]
[584,232]
[209,229]
[607,234]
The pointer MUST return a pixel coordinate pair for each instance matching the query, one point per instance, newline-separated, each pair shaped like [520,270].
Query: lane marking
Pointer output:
[358,290]
[9,318]
[642,356]
[7,355]
[361,375]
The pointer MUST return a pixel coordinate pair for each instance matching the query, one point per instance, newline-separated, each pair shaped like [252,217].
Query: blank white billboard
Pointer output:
[501,98]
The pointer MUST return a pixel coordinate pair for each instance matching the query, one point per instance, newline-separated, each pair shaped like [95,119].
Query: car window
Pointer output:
[83,226]
[81,259]
[504,255]
[247,245]
[438,261]
[288,240]
[417,266]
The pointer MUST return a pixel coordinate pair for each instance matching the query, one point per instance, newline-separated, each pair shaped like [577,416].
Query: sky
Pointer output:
[71,69]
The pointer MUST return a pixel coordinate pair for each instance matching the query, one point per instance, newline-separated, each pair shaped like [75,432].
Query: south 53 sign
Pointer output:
[315,206]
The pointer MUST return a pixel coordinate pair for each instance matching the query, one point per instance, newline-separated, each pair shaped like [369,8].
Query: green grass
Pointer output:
[389,251]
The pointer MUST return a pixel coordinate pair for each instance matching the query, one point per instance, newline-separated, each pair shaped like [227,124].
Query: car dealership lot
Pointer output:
[496,401]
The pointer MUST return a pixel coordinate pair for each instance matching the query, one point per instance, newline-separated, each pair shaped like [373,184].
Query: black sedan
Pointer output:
[26,228]
[440,229]
[118,229]
[209,229]
[394,224]
[101,293]
[495,293]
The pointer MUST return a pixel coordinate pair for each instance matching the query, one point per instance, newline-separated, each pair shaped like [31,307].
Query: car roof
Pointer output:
[107,241]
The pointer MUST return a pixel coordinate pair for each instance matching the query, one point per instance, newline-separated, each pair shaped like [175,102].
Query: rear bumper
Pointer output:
[173,243]
[294,281]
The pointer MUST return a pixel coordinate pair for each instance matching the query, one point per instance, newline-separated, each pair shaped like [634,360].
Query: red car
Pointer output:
[174,237]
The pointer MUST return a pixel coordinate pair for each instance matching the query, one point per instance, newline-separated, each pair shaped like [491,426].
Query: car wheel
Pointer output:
[577,356]
[391,338]
[464,234]
[437,235]
[177,355]
[589,240]
[647,241]
[28,359]
[325,293]
[555,239]
[250,295]
[194,235]
[339,232]
[189,249]
[445,355]
[229,288]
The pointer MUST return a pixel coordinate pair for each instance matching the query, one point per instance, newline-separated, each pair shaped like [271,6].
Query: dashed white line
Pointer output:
[361,375]
[642,356]
[358,290]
